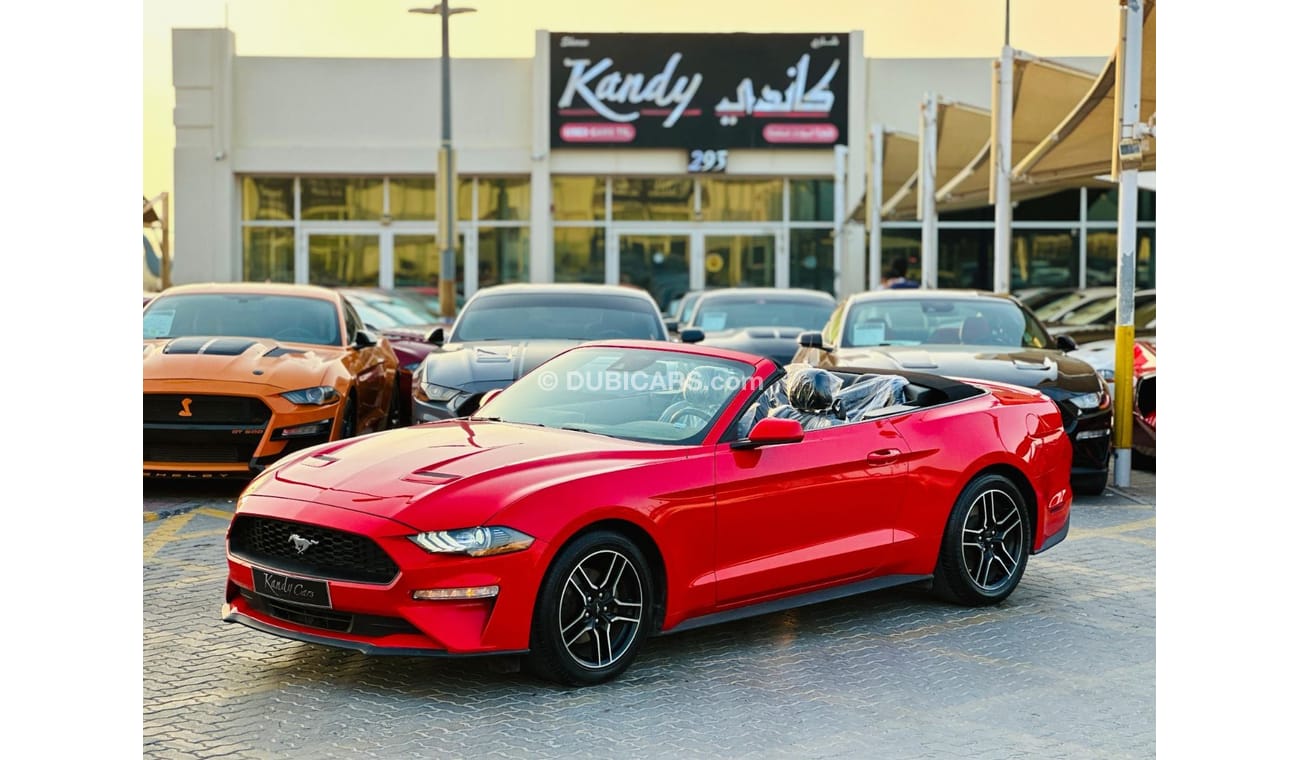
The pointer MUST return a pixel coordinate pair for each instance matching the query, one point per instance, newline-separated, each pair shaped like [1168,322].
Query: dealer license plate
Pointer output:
[288,588]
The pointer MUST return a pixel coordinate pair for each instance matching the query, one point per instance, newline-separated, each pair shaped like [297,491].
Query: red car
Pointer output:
[406,324]
[633,488]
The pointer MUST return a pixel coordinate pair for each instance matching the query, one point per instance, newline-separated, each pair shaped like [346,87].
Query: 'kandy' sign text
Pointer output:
[690,90]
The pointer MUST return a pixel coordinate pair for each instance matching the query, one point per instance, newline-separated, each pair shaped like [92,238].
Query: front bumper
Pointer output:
[1090,433]
[383,618]
[230,446]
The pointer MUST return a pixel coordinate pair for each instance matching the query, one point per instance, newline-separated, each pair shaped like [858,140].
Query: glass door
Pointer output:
[658,263]
[341,259]
[740,260]
[416,263]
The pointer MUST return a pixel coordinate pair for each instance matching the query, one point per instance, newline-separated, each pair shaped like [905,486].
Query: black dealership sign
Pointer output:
[699,90]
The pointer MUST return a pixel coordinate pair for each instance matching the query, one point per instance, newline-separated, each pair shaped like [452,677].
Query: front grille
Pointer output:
[196,409]
[195,454]
[337,554]
[328,620]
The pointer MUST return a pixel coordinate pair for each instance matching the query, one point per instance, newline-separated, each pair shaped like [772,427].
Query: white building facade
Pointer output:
[696,168]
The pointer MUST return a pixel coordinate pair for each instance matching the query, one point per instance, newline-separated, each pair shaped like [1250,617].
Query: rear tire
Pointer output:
[593,611]
[985,544]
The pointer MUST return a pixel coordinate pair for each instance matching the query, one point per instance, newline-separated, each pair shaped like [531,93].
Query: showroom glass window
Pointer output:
[812,242]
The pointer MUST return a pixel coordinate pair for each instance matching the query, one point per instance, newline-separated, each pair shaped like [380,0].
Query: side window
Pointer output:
[352,322]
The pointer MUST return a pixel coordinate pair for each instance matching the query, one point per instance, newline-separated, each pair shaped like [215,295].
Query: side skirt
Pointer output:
[798,600]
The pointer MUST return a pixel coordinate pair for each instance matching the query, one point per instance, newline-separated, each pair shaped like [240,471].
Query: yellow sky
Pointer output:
[504,28]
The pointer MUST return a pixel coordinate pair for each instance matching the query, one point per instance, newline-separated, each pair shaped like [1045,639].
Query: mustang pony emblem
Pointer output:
[300,543]
[185,408]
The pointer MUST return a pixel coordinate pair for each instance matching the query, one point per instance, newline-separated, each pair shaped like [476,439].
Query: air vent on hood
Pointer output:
[429,476]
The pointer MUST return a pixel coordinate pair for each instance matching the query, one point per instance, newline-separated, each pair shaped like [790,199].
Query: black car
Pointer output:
[1094,320]
[506,330]
[763,321]
[977,335]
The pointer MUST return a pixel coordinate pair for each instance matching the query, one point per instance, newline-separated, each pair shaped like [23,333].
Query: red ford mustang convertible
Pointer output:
[629,489]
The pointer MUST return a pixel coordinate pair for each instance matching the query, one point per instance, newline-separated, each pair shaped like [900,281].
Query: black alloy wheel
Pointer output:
[593,612]
[986,544]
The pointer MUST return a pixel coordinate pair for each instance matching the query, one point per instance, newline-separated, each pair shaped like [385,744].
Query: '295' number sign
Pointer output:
[707,161]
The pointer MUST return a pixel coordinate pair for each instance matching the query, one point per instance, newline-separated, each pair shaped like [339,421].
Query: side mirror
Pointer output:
[435,337]
[672,325]
[364,339]
[770,431]
[692,335]
[813,339]
[1066,343]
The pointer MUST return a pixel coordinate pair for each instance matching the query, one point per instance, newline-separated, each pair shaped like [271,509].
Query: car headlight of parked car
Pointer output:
[431,392]
[476,542]
[1089,401]
[321,394]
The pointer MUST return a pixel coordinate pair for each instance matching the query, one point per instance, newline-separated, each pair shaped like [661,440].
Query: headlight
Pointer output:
[1107,374]
[476,542]
[1097,400]
[321,394]
[437,392]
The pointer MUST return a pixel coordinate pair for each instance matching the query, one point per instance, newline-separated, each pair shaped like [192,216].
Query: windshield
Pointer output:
[248,315]
[390,312]
[1090,311]
[634,394]
[558,316]
[727,312]
[943,321]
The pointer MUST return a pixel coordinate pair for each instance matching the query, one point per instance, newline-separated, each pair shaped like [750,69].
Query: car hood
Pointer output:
[777,343]
[1042,369]
[253,360]
[454,469]
[481,366]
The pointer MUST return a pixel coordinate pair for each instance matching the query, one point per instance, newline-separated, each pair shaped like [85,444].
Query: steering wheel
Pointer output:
[682,409]
[294,334]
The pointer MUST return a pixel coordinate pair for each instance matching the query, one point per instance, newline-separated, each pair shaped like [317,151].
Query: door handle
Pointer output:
[883,456]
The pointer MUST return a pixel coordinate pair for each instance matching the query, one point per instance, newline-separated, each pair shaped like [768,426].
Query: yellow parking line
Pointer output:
[223,514]
[1114,530]
[164,533]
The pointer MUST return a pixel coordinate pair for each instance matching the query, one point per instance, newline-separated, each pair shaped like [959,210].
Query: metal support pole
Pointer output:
[446,179]
[1127,159]
[925,209]
[1002,100]
[840,252]
[873,203]
[447,173]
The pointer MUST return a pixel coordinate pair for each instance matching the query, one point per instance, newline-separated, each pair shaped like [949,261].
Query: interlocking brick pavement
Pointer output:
[1065,668]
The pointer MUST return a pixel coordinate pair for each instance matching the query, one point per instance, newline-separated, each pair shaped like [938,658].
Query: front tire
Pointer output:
[985,544]
[593,611]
